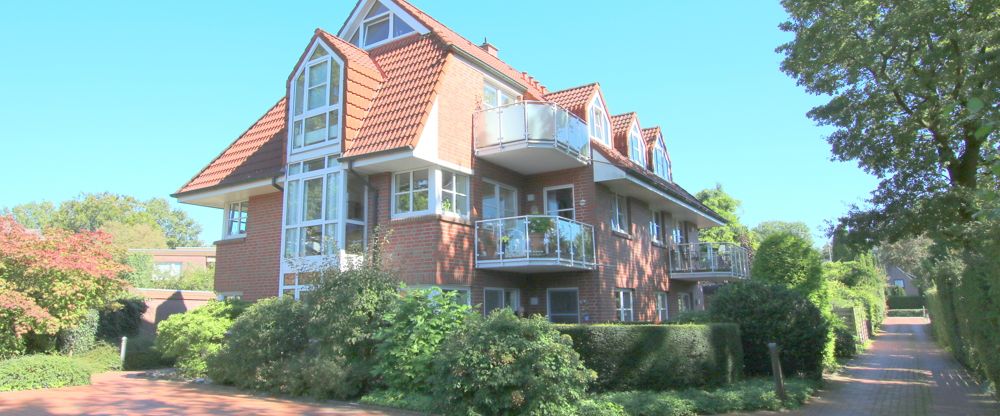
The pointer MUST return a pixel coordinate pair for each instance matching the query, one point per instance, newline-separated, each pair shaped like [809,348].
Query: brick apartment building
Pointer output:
[491,185]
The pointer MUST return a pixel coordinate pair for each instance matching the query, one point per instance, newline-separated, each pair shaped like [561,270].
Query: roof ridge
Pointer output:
[592,84]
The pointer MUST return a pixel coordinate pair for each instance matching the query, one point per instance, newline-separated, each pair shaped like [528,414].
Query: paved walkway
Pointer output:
[126,394]
[903,373]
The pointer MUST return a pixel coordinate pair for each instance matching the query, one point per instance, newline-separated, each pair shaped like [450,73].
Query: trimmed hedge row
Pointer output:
[659,357]
[42,372]
[906,312]
[905,302]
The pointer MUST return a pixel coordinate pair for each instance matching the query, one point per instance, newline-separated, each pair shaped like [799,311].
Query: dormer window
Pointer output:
[600,125]
[661,165]
[380,25]
[636,146]
[316,101]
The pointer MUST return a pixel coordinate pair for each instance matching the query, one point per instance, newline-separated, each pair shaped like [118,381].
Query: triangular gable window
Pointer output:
[661,165]
[320,52]
[600,124]
[399,27]
[380,25]
[377,10]
[636,146]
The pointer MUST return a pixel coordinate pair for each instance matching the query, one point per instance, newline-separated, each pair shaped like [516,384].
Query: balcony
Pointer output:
[531,137]
[709,262]
[534,243]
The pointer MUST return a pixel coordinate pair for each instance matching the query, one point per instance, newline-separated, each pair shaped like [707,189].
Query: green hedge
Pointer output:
[747,395]
[906,312]
[659,357]
[905,302]
[42,372]
[80,338]
[123,319]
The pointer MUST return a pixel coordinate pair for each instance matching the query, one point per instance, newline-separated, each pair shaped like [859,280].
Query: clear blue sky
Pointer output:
[136,97]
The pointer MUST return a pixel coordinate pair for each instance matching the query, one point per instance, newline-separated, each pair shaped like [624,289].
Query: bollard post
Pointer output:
[779,378]
[121,356]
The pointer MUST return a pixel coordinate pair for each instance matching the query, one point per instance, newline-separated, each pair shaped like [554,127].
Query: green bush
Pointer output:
[905,302]
[906,312]
[400,400]
[502,364]
[42,372]
[103,357]
[271,330]
[591,407]
[122,319]
[769,313]
[414,329]
[894,291]
[319,376]
[658,357]
[141,354]
[692,317]
[789,260]
[80,338]
[849,327]
[749,395]
[193,336]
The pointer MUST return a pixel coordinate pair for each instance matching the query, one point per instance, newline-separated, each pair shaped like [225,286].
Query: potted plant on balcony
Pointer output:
[541,230]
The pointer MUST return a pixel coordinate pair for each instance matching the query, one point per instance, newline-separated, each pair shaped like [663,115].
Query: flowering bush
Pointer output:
[51,281]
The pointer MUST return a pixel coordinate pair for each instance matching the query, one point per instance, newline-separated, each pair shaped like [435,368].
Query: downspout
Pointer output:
[274,181]
[350,168]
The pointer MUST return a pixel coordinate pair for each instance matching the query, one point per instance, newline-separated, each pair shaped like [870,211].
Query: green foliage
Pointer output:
[269,331]
[858,282]
[122,318]
[317,375]
[410,340]
[139,268]
[658,357]
[849,328]
[788,260]
[193,336]
[748,395]
[191,278]
[591,407]
[141,235]
[726,206]
[891,291]
[42,372]
[502,364]
[907,254]
[400,400]
[80,338]
[906,312]
[103,357]
[141,354]
[692,317]
[905,302]
[770,313]
[768,228]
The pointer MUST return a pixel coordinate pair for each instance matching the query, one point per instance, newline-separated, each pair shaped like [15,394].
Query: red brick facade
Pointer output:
[249,265]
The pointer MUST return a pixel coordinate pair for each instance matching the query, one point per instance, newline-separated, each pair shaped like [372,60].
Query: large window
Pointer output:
[564,306]
[661,166]
[559,202]
[454,193]
[411,192]
[496,298]
[312,209]
[656,226]
[619,213]
[600,125]
[636,146]
[680,232]
[624,299]
[316,103]
[236,219]
[496,97]
[379,26]
[662,306]
[499,201]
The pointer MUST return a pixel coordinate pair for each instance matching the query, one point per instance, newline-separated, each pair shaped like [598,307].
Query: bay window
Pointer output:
[311,209]
[316,103]
[624,299]
[430,190]
[636,146]
[411,192]
[236,219]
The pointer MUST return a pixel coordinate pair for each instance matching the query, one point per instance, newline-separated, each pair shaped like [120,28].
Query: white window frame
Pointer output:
[663,306]
[625,314]
[496,187]
[328,224]
[451,195]
[548,301]
[167,269]
[683,306]
[431,193]
[228,219]
[330,58]
[636,145]
[600,121]
[656,226]
[900,283]
[619,213]
[360,31]
[501,93]
[515,298]
[223,296]
[545,199]
[661,165]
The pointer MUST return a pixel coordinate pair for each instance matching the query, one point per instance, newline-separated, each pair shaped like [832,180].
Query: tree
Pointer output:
[769,228]
[908,254]
[789,260]
[33,215]
[734,231]
[141,235]
[914,91]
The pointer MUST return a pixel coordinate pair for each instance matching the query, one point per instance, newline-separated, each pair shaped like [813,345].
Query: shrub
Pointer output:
[42,372]
[122,319]
[905,302]
[20,316]
[140,354]
[848,328]
[319,376]
[414,329]
[789,260]
[271,330]
[768,313]
[658,357]
[906,312]
[103,357]
[400,400]
[80,338]
[692,317]
[502,364]
[192,336]
[894,291]
[591,407]
[749,395]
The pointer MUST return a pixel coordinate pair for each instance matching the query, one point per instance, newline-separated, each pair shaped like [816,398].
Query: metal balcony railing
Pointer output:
[534,242]
[710,260]
[534,124]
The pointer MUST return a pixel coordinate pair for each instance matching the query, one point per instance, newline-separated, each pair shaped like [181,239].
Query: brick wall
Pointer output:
[162,303]
[250,264]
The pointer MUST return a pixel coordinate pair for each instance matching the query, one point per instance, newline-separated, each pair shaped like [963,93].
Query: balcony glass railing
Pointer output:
[531,122]
[534,240]
[717,259]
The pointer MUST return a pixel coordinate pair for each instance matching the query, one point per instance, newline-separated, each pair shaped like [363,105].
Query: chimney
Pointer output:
[489,48]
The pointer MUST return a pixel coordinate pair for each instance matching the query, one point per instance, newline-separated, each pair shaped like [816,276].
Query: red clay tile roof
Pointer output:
[412,67]
[645,175]
[258,153]
[650,134]
[363,80]
[575,99]
[620,124]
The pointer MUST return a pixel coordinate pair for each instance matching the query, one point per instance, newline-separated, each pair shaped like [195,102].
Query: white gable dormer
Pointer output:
[636,145]
[375,22]
[600,123]
[661,164]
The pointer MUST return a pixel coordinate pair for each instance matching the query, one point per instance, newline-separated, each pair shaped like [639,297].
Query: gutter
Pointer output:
[274,181]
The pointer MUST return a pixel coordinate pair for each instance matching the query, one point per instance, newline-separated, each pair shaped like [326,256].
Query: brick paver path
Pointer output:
[127,394]
[903,373]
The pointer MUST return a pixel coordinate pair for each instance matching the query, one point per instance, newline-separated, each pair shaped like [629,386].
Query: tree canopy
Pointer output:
[768,228]
[126,216]
[914,100]
[726,206]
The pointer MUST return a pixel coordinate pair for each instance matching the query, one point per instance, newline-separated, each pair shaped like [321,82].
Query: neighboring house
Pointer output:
[899,278]
[173,261]
[492,185]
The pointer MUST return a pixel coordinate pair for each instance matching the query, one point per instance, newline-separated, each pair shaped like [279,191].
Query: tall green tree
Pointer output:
[33,215]
[914,101]
[768,228]
[734,231]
